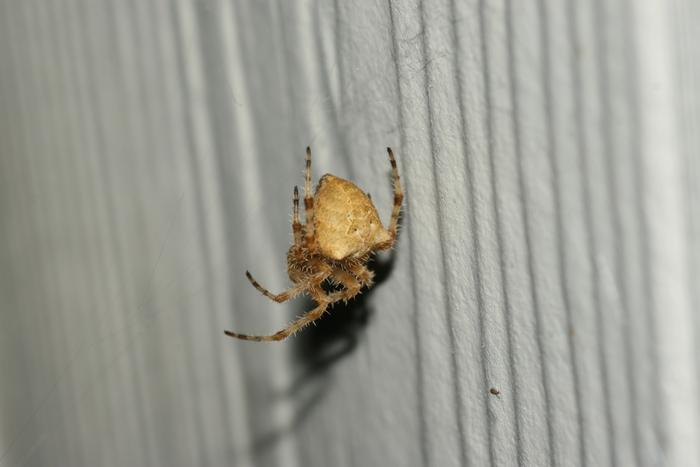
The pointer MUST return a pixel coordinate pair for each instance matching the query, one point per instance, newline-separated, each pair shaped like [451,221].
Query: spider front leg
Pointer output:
[362,273]
[280,297]
[296,229]
[351,284]
[323,301]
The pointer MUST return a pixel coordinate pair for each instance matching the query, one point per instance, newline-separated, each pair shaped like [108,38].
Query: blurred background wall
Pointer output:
[540,308]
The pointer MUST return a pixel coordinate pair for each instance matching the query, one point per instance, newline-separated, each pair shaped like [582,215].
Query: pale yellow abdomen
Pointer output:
[345,220]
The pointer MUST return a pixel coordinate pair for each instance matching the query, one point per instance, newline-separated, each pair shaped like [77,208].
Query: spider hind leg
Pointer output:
[309,233]
[296,224]
[398,195]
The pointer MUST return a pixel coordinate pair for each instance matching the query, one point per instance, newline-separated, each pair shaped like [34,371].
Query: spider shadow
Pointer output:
[335,336]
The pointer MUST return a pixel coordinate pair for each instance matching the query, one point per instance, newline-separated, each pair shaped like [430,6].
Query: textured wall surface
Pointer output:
[550,244]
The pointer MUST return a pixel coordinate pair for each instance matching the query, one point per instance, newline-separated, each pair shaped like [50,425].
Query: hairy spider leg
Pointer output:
[364,275]
[280,297]
[398,195]
[296,224]
[295,326]
[323,301]
[308,202]
[351,284]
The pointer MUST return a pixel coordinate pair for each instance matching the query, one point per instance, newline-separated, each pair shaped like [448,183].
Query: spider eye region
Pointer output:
[346,222]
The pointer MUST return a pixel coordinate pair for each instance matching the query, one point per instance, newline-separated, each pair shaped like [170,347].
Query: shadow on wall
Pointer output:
[319,347]
[336,334]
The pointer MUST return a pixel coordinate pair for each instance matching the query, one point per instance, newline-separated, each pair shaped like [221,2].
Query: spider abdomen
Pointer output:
[346,222]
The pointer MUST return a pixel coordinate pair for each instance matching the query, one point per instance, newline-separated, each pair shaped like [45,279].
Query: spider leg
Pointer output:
[296,224]
[350,283]
[353,280]
[295,326]
[280,297]
[364,275]
[398,195]
[308,202]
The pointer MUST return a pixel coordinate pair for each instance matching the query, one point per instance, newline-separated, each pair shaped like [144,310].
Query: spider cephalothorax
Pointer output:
[341,232]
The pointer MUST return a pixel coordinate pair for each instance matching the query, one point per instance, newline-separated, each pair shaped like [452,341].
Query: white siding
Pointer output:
[550,243]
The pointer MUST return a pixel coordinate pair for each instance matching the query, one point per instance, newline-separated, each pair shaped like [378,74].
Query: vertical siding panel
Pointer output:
[148,152]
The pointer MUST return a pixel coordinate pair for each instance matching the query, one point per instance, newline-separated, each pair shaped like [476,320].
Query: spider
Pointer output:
[341,232]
